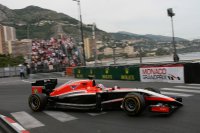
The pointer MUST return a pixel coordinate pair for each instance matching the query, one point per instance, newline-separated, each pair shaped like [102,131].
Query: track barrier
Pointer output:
[170,72]
[192,72]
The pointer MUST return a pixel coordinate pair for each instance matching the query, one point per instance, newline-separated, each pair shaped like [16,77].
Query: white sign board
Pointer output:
[168,73]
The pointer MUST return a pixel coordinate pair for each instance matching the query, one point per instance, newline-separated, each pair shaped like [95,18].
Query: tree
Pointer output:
[8,60]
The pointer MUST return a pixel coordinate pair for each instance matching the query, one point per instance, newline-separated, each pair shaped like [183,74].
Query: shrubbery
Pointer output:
[8,60]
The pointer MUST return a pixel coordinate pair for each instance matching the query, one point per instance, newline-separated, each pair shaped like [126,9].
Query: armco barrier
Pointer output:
[109,72]
[89,71]
[79,72]
[129,73]
[9,71]
[173,72]
[116,72]
[192,72]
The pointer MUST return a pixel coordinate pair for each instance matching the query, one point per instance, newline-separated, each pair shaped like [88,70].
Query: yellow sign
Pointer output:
[79,71]
[126,70]
[127,77]
[107,70]
[79,76]
[106,76]
[35,91]
[91,71]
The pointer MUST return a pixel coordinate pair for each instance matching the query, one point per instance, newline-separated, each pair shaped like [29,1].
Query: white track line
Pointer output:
[9,82]
[26,81]
[26,120]
[188,87]
[60,116]
[181,90]
[194,84]
[176,94]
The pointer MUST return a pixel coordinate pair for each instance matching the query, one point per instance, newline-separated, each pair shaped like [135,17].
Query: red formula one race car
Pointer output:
[87,94]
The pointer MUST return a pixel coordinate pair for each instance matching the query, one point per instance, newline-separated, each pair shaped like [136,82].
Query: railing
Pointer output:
[48,69]
[9,71]
[15,71]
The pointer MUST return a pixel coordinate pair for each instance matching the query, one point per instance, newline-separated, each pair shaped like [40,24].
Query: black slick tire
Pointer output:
[37,102]
[133,104]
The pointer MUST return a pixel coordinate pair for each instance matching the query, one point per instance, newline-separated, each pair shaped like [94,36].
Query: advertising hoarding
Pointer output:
[173,73]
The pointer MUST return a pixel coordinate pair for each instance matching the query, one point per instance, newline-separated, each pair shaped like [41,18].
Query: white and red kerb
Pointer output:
[14,125]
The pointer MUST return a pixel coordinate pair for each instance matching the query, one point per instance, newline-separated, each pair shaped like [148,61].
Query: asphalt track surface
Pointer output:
[14,95]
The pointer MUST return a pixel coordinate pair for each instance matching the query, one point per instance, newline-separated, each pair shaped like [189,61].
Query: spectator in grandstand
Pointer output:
[56,52]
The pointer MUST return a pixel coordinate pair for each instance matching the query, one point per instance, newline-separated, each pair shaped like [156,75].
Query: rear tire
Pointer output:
[133,104]
[37,102]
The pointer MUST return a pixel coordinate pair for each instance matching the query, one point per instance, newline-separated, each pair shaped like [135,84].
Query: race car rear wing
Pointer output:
[44,86]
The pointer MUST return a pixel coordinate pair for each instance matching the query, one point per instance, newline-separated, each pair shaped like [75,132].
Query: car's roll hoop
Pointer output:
[92,78]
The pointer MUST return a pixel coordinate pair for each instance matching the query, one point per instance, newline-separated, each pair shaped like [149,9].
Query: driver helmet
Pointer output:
[101,86]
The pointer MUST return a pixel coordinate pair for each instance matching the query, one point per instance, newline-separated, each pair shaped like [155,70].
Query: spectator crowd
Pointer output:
[48,54]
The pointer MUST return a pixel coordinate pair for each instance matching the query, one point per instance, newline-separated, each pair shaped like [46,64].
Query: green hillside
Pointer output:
[35,22]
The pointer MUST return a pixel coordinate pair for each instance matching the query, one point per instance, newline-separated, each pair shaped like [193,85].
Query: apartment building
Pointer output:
[89,48]
[9,33]
[2,40]
[7,36]
[22,47]
[129,50]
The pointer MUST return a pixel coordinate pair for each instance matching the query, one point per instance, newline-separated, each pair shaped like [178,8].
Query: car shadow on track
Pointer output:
[146,113]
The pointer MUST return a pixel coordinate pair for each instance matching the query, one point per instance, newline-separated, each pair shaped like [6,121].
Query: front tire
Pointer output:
[133,104]
[37,102]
